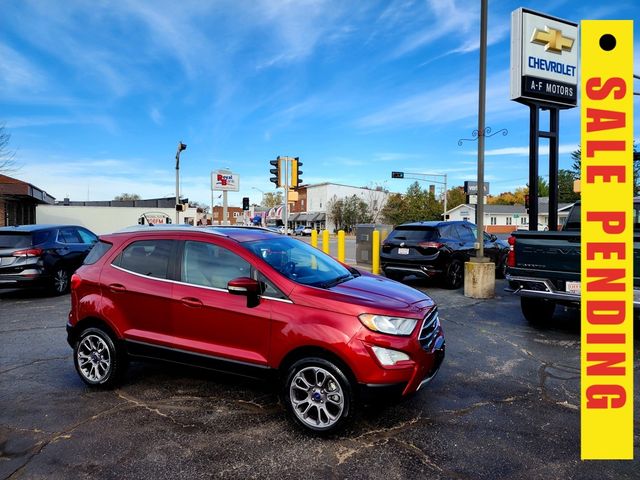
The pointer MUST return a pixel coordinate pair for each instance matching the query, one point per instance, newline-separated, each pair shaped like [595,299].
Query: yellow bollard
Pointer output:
[325,241]
[375,253]
[314,238]
[341,255]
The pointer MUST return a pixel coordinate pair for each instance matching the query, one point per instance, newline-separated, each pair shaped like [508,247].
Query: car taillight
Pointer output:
[430,245]
[76,280]
[29,252]
[511,256]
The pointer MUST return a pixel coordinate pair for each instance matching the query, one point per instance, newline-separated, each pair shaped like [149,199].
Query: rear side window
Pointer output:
[147,257]
[97,252]
[41,237]
[69,235]
[15,240]
[414,234]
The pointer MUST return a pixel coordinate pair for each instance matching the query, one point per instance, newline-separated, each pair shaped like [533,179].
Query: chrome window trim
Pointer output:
[284,300]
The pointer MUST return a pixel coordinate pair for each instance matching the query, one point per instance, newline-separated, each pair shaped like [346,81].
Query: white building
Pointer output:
[319,197]
[506,218]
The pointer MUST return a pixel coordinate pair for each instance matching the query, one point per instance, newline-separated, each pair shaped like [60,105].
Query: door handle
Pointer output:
[116,287]
[191,302]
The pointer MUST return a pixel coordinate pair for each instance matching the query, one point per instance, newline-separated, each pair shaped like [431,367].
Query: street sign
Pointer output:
[397,174]
[544,59]
[471,188]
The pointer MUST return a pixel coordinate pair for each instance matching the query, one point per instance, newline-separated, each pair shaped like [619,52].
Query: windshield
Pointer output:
[300,262]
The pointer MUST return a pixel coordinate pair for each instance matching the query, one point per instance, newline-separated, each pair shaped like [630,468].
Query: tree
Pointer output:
[7,162]
[415,205]
[565,187]
[509,198]
[455,197]
[543,187]
[272,199]
[576,168]
[203,206]
[127,196]
[347,212]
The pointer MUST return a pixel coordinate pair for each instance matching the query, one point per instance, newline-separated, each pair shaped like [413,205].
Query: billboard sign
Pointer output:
[225,180]
[544,59]
[471,188]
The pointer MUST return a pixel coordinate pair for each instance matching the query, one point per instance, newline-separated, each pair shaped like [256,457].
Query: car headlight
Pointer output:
[390,325]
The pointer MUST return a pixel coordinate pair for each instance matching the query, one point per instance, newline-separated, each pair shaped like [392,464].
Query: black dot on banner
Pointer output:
[607,42]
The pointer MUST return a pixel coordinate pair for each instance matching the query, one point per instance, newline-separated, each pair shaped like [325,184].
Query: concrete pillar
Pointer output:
[479,279]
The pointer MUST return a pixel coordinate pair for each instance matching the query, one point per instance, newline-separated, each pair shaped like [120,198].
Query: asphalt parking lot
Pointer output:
[504,406]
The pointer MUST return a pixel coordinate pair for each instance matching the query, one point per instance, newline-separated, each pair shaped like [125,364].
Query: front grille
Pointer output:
[429,330]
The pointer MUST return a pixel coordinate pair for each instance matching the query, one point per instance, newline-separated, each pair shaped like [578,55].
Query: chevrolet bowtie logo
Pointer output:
[552,40]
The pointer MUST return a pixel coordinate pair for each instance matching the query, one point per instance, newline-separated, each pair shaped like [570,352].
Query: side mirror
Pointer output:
[245,286]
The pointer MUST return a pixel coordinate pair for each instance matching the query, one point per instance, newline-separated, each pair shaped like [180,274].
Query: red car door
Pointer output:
[137,291]
[208,319]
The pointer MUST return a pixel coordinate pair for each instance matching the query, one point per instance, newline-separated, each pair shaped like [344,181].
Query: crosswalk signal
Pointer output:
[277,172]
[296,181]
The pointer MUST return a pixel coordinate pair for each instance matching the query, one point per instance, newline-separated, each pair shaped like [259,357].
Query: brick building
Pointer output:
[18,201]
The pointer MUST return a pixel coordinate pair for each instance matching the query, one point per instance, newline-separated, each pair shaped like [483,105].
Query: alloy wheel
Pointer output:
[316,397]
[93,358]
[60,281]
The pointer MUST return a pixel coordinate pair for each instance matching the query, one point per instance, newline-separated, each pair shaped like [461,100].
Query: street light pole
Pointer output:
[481,132]
[262,192]
[181,147]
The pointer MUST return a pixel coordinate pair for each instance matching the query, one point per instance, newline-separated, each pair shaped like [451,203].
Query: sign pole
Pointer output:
[481,113]
[285,209]
[225,220]
[534,128]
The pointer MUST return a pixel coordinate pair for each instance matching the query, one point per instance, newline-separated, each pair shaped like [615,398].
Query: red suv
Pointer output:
[256,303]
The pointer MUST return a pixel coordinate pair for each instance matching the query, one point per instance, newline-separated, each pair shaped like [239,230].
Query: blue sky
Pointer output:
[97,94]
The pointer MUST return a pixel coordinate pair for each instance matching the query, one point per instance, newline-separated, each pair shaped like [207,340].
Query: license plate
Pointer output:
[403,251]
[573,287]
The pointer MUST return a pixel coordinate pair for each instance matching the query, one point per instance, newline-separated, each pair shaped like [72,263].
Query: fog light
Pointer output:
[387,356]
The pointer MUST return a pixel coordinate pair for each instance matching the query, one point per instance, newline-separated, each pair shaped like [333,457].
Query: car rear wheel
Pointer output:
[318,395]
[97,359]
[60,281]
[454,274]
[537,311]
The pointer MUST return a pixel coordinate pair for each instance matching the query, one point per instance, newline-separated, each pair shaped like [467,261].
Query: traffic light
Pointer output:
[296,181]
[526,203]
[245,203]
[277,172]
[180,207]
[397,174]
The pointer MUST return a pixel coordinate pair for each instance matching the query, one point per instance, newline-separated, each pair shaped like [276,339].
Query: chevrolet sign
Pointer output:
[544,59]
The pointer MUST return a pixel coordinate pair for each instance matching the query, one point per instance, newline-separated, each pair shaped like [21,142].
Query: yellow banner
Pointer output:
[607,240]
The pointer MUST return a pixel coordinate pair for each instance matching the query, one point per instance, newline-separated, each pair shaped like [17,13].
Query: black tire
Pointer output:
[537,311]
[331,394]
[501,268]
[60,281]
[454,274]
[97,359]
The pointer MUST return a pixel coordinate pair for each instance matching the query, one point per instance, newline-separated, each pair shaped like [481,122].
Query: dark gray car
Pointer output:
[42,255]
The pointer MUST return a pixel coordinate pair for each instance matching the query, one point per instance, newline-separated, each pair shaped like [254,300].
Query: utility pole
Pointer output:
[481,121]
[181,147]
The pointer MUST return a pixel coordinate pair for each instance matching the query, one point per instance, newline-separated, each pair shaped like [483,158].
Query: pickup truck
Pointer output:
[543,268]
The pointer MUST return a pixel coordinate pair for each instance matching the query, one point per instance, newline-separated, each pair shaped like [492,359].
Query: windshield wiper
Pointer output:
[341,279]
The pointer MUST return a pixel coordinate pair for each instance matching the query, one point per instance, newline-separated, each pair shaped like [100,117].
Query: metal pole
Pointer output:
[225,219]
[285,209]
[177,185]
[554,139]
[481,113]
[533,167]
[211,198]
[444,216]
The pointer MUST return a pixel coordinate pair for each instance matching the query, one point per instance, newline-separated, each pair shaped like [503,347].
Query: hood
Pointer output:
[380,293]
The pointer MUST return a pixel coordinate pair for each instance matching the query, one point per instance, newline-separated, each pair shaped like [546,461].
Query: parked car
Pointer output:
[541,227]
[302,231]
[437,249]
[282,230]
[42,255]
[258,304]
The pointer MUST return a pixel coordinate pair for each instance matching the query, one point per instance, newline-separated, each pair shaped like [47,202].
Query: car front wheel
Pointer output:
[97,359]
[318,395]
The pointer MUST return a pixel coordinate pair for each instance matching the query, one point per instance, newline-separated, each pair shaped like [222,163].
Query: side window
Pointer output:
[69,235]
[269,289]
[465,233]
[147,257]
[86,236]
[449,232]
[210,265]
